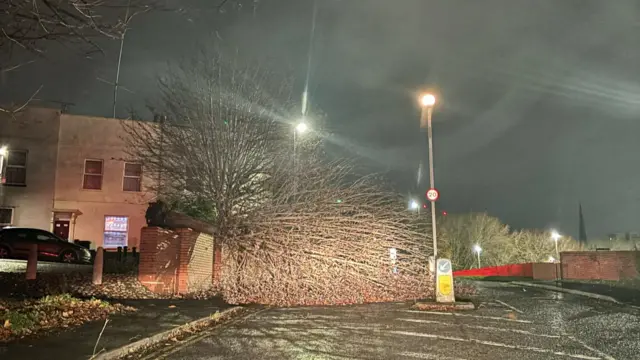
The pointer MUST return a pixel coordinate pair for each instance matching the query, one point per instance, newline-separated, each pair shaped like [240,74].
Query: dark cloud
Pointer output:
[540,99]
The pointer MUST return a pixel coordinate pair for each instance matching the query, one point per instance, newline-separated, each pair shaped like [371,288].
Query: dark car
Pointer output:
[15,244]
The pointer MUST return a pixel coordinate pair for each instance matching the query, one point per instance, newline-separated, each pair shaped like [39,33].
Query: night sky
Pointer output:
[540,100]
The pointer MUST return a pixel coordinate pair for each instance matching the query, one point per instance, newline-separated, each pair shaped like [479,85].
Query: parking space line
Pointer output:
[496,344]
[604,356]
[469,315]
[415,355]
[491,328]
[509,306]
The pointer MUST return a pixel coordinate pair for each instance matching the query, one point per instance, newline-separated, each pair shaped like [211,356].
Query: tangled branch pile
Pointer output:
[296,231]
[330,244]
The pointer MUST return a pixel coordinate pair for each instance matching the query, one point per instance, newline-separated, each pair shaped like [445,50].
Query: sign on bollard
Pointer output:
[444,281]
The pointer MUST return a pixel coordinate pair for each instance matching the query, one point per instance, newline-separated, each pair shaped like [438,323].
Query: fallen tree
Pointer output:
[329,243]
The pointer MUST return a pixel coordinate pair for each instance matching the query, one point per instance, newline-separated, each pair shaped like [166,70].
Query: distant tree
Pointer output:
[500,245]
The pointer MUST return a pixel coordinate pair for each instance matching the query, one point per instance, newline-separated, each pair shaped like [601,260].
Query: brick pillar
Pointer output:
[158,260]
[187,239]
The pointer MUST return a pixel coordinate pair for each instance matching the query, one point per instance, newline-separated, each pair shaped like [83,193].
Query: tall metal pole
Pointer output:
[426,112]
[557,252]
[479,260]
[295,163]
[1,178]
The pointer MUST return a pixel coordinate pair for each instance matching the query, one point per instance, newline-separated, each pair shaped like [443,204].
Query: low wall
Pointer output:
[600,265]
[546,271]
[179,261]
[512,270]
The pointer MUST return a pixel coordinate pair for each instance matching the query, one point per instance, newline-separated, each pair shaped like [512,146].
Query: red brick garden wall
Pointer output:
[546,271]
[600,265]
[176,262]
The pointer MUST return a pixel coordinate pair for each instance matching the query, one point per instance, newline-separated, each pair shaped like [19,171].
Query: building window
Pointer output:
[6,217]
[92,175]
[115,231]
[132,177]
[16,172]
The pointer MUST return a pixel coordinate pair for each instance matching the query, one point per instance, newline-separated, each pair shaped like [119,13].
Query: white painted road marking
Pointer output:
[604,356]
[496,344]
[468,315]
[509,306]
[427,356]
[491,328]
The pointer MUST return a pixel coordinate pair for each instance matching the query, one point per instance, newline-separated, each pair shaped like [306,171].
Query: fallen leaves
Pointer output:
[24,318]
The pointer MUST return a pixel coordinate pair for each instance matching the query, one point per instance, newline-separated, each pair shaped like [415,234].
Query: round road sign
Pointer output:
[432,194]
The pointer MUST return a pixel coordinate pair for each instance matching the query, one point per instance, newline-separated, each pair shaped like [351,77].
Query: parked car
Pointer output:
[15,244]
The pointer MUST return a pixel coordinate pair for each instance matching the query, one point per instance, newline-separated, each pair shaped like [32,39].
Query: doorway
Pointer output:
[61,228]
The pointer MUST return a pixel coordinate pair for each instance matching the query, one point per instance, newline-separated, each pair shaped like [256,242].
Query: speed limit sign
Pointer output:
[432,194]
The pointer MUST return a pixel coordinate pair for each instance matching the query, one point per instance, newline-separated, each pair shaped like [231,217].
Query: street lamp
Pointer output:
[414,205]
[477,249]
[556,236]
[428,101]
[299,129]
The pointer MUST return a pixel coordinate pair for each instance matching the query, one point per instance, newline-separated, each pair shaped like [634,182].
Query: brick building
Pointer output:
[70,174]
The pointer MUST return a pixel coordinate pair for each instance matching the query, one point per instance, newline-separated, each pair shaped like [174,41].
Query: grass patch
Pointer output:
[31,317]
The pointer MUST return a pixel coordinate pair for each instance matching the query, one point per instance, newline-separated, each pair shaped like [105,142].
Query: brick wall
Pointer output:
[200,269]
[600,265]
[158,260]
[175,262]
[546,271]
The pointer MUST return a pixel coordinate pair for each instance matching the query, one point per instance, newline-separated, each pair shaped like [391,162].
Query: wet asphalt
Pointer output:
[510,323]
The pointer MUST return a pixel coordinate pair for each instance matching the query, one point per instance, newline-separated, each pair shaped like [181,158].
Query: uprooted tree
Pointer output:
[330,244]
[295,230]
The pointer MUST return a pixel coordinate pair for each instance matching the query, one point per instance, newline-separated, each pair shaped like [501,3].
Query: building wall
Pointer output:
[600,265]
[34,130]
[82,138]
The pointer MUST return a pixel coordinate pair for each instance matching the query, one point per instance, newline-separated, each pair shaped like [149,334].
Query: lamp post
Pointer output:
[477,249]
[4,151]
[3,154]
[556,236]
[299,129]
[427,101]
[414,205]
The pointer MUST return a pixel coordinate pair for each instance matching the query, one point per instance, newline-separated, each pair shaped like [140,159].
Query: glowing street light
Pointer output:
[477,249]
[552,259]
[556,236]
[428,99]
[3,150]
[302,128]
[414,205]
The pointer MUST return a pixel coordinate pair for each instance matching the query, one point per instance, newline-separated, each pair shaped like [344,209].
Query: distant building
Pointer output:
[627,236]
[70,174]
